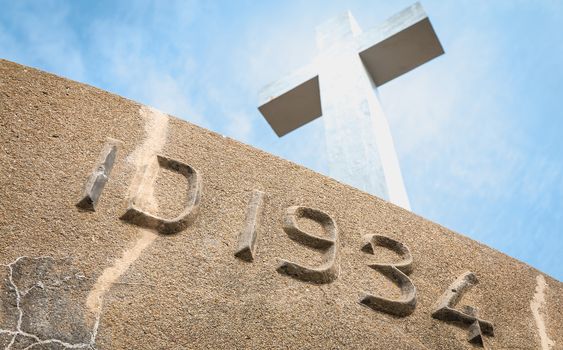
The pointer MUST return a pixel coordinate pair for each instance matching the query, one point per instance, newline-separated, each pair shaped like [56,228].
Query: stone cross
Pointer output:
[341,85]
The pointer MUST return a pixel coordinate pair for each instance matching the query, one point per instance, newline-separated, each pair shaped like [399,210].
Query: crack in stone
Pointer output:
[19,331]
[156,128]
[537,304]
[11,342]
[5,331]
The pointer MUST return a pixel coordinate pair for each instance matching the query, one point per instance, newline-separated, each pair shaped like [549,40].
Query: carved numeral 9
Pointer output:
[327,271]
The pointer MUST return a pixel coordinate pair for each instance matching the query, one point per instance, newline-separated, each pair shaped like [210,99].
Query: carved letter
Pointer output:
[100,174]
[445,311]
[327,271]
[395,272]
[139,217]
[247,239]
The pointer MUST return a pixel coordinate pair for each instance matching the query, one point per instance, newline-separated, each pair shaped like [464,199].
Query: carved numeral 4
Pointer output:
[445,311]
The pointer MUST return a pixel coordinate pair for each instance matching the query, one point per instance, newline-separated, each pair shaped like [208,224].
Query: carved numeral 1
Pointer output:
[138,216]
[396,272]
[327,271]
[445,311]
[99,176]
[247,239]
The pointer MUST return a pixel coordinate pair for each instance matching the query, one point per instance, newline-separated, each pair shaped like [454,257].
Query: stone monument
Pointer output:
[341,85]
[124,228]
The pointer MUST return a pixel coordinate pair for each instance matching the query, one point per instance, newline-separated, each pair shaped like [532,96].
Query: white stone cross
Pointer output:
[341,85]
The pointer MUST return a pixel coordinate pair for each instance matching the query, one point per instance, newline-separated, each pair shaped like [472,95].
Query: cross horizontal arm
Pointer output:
[292,102]
[400,44]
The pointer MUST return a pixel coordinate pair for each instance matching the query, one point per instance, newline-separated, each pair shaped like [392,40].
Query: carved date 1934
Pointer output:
[326,245]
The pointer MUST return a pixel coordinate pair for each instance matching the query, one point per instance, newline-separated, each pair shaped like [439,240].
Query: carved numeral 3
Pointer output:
[397,272]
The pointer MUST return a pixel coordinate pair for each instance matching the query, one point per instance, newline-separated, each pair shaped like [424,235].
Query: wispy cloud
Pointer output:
[446,114]
[28,35]
[477,130]
[141,67]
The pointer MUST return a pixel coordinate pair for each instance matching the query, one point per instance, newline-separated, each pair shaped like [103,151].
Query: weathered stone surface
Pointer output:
[44,304]
[5,339]
[51,293]
[23,342]
[187,289]
[8,305]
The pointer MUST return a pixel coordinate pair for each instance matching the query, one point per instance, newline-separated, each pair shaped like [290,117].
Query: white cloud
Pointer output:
[129,49]
[239,126]
[45,38]
[453,120]
[165,93]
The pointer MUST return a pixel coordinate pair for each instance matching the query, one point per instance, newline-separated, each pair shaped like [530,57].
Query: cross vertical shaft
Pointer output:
[358,141]
[341,85]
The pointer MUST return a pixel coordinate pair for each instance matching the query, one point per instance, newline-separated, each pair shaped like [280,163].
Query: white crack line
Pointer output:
[18,296]
[19,331]
[11,342]
[66,345]
[156,129]
[156,133]
[537,304]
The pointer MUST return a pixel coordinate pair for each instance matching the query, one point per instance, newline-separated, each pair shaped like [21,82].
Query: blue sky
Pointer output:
[478,131]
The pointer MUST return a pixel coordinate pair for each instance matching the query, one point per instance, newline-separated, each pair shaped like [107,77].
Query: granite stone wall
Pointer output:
[124,228]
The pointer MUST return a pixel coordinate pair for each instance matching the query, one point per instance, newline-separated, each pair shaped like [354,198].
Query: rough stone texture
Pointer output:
[22,342]
[8,307]
[51,299]
[5,339]
[187,289]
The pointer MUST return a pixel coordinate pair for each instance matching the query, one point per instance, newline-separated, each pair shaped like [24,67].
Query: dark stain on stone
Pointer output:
[21,342]
[5,339]
[51,346]
[8,306]
[52,294]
